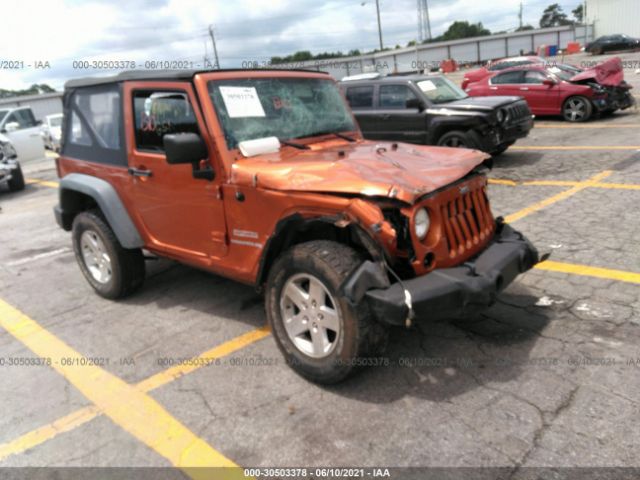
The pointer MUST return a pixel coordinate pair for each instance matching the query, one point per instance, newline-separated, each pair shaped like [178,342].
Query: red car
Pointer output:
[496,66]
[561,89]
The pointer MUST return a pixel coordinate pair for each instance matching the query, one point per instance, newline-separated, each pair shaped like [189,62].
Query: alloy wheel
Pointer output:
[311,316]
[575,110]
[95,256]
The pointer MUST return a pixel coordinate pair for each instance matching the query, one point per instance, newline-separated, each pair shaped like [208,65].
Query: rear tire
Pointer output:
[577,109]
[456,139]
[321,335]
[112,271]
[17,180]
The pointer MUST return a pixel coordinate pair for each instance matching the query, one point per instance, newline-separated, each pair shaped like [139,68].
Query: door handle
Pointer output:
[524,88]
[139,172]
[493,88]
[386,116]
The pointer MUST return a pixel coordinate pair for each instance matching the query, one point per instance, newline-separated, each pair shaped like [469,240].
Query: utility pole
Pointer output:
[424,24]
[520,15]
[379,25]
[426,15]
[215,50]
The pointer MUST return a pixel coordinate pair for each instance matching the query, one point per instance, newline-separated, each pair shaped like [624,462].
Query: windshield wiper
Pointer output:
[299,146]
[337,134]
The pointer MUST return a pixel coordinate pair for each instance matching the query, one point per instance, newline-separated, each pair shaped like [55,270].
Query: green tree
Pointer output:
[35,89]
[578,13]
[554,16]
[463,29]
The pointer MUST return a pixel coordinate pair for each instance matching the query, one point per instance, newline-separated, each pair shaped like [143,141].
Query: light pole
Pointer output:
[379,24]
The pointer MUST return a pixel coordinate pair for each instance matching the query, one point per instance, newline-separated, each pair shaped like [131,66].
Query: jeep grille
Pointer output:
[517,111]
[467,221]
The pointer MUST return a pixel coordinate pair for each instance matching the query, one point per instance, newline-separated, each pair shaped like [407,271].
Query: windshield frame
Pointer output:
[240,75]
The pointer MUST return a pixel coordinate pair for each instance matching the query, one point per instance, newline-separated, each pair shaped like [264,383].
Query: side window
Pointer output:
[24,118]
[98,113]
[78,134]
[534,76]
[395,96]
[158,113]
[508,77]
[360,97]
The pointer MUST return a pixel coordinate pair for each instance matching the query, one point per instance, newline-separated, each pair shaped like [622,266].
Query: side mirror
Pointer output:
[184,148]
[548,82]
[415,103]
[188,148]
[11,127]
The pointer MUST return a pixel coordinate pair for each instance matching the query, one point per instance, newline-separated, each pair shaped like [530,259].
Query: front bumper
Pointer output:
[614,101]
[454,292]
[502,135]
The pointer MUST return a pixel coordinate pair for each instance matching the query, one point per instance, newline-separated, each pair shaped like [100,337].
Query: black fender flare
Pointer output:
[106,197]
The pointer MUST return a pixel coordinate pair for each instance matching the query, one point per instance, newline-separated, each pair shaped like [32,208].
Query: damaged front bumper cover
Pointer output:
[448,292]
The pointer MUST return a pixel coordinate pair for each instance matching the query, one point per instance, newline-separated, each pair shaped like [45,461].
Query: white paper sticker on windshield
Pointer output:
[242,102]
[427,86]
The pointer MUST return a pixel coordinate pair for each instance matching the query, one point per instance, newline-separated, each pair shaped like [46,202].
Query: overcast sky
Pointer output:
[63,31]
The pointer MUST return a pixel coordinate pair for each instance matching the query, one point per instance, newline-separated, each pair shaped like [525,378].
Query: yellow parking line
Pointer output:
[44,183]
[564,183]
[80,417]
[589,125]
[126,405]
[585,270]
[556,198]
[575,147]
[500,181]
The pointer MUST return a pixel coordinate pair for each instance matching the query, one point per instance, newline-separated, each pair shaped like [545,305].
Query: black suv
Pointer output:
[432,110]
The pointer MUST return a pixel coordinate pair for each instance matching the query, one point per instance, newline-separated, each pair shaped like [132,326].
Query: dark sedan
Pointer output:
[612,43]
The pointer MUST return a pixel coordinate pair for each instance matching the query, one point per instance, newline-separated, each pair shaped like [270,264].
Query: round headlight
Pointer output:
[421,223]
[500,116]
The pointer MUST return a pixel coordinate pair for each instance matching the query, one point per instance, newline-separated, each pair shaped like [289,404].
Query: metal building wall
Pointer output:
[41,105]
[614,16]
[471,50]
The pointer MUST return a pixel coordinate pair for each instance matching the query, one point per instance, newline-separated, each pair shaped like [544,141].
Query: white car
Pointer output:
[10,171]
[52,131]
[20,127]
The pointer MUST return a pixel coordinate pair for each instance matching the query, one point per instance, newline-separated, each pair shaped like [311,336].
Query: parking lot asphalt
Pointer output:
[546,377]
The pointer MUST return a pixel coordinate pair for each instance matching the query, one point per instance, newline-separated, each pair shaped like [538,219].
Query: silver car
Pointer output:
[52,131]
[10,171]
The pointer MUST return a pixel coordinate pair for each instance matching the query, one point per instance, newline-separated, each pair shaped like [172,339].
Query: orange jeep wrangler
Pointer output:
[264,177]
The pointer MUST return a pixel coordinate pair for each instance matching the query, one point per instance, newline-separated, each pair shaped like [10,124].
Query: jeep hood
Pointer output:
[607,73]
[485,104]
[395,170]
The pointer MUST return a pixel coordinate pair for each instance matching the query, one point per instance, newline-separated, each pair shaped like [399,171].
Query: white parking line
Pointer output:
[39,256]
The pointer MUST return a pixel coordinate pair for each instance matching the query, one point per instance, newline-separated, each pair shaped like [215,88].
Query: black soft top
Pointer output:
[132,75]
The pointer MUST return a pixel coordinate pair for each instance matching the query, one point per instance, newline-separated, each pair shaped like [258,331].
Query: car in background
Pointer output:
[560,89]
[10,171]
[432,110]
[496,66]
[52,131]
[612,43]
[19,125]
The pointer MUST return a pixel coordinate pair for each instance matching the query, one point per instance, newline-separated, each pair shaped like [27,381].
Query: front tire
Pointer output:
[577,109]
[456,139]
[112,270]
[17,180]
[321,335]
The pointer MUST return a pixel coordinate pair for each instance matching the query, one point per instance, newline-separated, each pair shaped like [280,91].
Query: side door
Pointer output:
[397,122]
[21,128]
[182,216]
[507,83]
[360,98]
[545,99]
